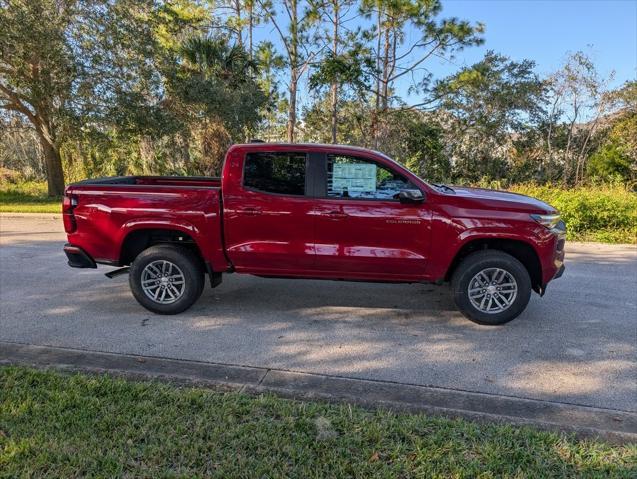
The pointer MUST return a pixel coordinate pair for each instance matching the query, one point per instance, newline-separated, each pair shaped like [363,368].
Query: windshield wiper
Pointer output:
[444,187]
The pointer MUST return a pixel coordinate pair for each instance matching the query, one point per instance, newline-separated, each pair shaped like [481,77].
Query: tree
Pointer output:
[616,157]
[579,98]
[70,66]
[398,57]
[215,90]
[270,64]
[484,107]
[421,147]
[38,72]
[296,44]
[345,61]
[239,16]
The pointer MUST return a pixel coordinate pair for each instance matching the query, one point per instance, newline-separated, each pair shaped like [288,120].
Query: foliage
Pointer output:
[138,87]
[38,72]
[27,197]
[483,106]
[213,96]
[605,213]
[58,425]
[216,81]
[399,55]
[617,156]
[610,161]
[578,100]
[424,153]
[114,82]
[349,68]
[294,22]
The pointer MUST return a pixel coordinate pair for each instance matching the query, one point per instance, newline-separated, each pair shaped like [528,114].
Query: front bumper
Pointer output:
[559,254]
[78,258]
[555,268]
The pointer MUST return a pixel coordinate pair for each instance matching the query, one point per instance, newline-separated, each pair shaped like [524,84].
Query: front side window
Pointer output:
[282,173]
[356,178]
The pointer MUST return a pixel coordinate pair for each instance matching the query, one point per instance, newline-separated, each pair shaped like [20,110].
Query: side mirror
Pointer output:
[411,196]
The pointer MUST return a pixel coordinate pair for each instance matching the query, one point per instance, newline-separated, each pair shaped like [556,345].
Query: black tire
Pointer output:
[191,269]
[479,261]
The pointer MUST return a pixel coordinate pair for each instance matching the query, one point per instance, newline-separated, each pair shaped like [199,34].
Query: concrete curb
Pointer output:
[53,216]
[605,424]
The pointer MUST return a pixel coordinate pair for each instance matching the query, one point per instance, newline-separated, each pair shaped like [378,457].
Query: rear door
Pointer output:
[362,229]
[268,214]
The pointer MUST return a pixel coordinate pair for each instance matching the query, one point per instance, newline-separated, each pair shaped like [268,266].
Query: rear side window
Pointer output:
[282,173]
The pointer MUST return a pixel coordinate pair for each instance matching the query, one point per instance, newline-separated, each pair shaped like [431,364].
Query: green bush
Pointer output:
[606,213]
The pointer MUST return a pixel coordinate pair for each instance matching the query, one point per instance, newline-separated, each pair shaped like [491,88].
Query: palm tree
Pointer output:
[216,59]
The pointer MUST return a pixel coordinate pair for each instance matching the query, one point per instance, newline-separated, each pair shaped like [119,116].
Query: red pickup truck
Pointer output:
[320,212]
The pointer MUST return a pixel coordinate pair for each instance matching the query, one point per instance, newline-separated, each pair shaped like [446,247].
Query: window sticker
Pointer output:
[357,178]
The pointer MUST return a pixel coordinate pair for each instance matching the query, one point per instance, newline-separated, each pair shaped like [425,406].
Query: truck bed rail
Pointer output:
[202,181]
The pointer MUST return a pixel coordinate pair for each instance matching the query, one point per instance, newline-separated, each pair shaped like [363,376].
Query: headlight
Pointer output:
[550,221]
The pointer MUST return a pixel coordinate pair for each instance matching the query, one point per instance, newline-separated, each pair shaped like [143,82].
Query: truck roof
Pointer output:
[259,146]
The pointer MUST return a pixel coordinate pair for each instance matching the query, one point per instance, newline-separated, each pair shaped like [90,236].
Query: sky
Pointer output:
[544,31]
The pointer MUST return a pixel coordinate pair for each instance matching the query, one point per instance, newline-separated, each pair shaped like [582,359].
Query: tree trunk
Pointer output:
[375,114]
[250,28]
[183,142]
[385,81]
[292,106]
[53,163]
[237,8]
[335,83]
[294,69]
[334,111]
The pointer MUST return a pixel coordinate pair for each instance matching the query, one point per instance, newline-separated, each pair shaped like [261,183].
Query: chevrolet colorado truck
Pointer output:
[316,212]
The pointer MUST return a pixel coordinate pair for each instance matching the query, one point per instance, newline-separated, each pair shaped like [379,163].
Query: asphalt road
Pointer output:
[577,344]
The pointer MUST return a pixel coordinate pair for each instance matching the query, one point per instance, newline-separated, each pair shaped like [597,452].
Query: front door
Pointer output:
[362,230]
[268,216]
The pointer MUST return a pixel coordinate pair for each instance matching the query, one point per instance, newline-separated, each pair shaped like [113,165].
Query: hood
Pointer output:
[497,197]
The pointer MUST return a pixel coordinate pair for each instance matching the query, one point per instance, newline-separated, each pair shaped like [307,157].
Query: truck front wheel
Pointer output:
[491,287]
[166,279]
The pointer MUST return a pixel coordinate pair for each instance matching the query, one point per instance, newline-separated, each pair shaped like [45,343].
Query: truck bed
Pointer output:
[110,210]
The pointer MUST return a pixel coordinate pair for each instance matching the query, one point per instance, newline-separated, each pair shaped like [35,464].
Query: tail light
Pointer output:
[68,204]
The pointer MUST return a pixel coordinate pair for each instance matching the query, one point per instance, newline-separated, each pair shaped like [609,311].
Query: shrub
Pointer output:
[606,213]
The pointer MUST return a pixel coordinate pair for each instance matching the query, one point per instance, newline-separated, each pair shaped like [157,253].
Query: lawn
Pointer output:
[59,425]
[27,197]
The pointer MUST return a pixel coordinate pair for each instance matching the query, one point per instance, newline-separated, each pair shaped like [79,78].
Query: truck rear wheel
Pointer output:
[166,279]
[491,287]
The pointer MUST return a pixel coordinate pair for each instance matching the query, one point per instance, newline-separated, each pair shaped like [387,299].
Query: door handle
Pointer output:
[251,211]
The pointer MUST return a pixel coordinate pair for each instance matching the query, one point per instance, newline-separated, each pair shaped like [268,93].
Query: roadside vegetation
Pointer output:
[27,197]
[60,425]
[605,213]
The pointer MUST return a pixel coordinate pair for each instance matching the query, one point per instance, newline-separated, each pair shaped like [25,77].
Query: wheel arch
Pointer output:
[138,239]
[521,250]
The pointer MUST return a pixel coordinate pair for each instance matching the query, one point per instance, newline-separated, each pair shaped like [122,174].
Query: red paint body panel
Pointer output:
[107,214]
[380,239]
[307,236]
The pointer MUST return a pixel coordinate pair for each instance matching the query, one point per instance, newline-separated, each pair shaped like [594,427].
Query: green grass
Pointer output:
[59,425]
[27,197]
